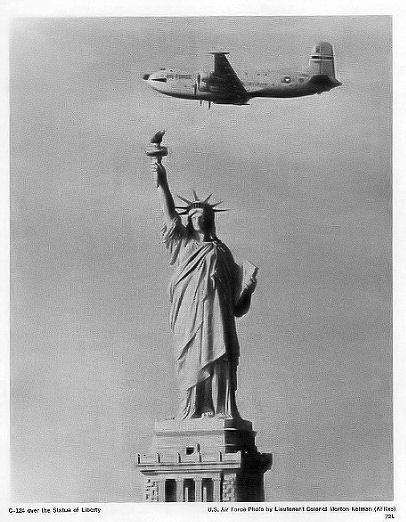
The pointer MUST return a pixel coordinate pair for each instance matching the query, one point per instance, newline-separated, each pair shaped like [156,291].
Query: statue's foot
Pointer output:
[208,414]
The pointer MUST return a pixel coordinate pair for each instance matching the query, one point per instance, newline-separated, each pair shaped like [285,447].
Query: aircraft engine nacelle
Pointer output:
[203,81]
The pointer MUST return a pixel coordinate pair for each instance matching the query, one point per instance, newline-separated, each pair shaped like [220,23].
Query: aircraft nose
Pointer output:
[146,76]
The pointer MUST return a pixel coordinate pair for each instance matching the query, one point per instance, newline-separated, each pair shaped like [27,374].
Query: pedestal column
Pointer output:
[217,489]
[198,489]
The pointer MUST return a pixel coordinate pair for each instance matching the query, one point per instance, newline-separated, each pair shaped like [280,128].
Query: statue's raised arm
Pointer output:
[161,181]
[156,151]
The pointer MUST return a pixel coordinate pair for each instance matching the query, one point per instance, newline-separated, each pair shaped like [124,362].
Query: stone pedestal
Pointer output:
[204,460]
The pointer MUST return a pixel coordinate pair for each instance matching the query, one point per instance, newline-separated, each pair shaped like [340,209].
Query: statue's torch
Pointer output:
[156,151]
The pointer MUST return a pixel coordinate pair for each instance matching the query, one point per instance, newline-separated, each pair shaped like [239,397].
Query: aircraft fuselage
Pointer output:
[257,85]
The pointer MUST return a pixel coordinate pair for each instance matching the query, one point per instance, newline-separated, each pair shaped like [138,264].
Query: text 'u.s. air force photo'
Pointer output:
[201,306]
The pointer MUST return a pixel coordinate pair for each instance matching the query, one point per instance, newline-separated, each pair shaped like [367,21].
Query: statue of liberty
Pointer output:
[208,290]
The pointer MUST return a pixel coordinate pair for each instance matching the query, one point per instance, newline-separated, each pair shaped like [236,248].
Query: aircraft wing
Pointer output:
[225,79]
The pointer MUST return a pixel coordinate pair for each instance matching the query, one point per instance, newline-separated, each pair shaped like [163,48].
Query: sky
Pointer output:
[308,182]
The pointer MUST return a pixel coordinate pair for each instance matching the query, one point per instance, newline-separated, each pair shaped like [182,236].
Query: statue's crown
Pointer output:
[199,203]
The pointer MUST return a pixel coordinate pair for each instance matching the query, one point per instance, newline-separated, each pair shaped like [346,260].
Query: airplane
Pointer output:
[223,86]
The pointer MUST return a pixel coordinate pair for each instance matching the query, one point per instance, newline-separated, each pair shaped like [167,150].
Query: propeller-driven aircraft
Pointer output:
[222,85]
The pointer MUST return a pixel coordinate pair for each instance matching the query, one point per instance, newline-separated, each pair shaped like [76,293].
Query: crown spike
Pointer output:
[208,197]
[195,195]
[185,200]
[216,204]
[221,209]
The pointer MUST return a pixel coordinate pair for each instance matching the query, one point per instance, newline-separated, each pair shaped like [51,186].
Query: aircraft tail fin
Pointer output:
[322,61]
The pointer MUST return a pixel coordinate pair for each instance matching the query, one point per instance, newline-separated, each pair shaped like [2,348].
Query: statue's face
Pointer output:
[200,220]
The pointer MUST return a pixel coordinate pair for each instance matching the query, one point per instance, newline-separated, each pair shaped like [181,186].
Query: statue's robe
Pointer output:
[203,293]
